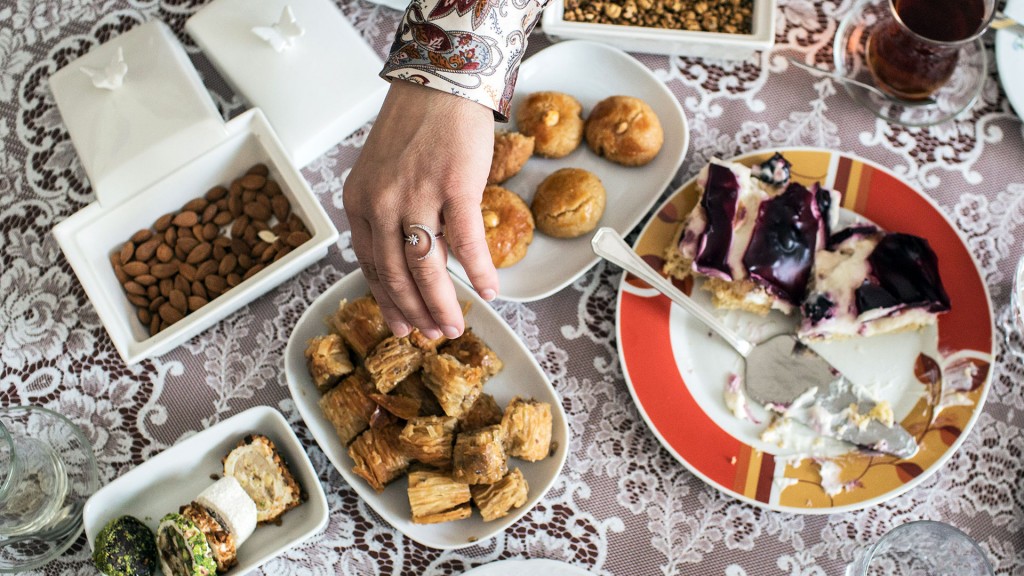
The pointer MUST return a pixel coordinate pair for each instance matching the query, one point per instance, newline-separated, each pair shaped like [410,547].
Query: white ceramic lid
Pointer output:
[153,116]
[316,91]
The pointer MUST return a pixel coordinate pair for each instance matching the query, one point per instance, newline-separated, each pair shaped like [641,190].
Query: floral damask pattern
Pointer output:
[622,504]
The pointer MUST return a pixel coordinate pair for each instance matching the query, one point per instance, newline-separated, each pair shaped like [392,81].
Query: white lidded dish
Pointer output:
[148,147]
[716,45]
[315,77]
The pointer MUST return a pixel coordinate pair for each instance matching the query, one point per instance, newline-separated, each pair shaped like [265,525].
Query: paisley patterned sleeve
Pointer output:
[470,48]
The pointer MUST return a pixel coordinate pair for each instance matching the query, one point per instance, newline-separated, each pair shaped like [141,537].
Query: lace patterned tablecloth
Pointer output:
[621,505]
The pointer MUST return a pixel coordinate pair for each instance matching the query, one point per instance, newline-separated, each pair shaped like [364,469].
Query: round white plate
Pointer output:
[520,567]
[1010,58]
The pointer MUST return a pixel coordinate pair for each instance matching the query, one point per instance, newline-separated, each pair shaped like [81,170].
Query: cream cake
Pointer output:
[753,235]
[867,281]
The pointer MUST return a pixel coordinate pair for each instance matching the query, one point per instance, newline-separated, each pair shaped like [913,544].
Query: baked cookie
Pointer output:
[625,130]
[511,151]
[554,120]
[568,203]
[508,225]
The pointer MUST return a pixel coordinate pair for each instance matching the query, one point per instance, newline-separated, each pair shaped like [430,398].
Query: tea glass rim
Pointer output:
[949,528]
[990,8]
[7,480]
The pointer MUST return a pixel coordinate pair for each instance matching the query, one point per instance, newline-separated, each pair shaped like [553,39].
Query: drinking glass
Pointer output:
[923,548]
[914,49]
[47,471]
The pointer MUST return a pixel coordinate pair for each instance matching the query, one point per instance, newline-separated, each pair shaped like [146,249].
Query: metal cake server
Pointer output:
[779,371]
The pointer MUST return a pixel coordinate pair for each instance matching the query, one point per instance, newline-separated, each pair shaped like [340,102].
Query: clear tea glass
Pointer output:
[914,49]
[923,548]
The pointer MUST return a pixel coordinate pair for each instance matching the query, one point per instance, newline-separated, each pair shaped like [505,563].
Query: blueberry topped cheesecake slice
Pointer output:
[870,282]
[753,235]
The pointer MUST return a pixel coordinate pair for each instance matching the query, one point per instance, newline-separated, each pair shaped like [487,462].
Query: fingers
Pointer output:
[426,262]
[396,279]
[362,243]
[465,236]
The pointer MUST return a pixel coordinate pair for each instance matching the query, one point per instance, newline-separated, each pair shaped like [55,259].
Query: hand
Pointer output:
[425,162]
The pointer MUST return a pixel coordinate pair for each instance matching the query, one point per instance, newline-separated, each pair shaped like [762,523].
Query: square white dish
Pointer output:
[663,41]
[521,376]
[89,236]
[149,145]
[177,475]
[550,263]
[314,93]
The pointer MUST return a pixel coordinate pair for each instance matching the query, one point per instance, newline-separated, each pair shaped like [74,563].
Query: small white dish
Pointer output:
[521,376]
[177,475]
[1010,58]
[519,567]
[716,45]
[150,147]
[553,263]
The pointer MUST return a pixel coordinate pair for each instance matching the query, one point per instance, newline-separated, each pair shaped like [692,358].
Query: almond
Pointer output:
[296,239]
[187,218]
[233,279]
[199,253]
[144,316]
[188,271]
[257,211]
[127,251]
[239,227]
[215,284]
[252,271]
[252,181]
[179,301]
[235,204]
[154,325]
[258,168]
[205,269]
[135,268]
[227,264]
[216,193]
[132,287]
[170,314]
[146,279]
[164,222]
[279,204]
[164,253]
[165,270]
[140,301]
[142,235]
[198,289]
[209,213]
[196,302]
[196,205]
[223,218]
[166,286]
[146,251]
[210,231]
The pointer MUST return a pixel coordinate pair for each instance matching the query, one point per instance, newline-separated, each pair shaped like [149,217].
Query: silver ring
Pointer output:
[413,239]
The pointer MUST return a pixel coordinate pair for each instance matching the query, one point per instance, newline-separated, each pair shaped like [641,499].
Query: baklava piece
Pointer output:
[484,412]
[473,351]
[401,407]
[455,385]
[527,427]
[349,406]
[328,360]
[377,456]
[496,500]
[479,456]
[434,497]
[392,361]
[429,439]
[414,388]
[417,339]
[361,324]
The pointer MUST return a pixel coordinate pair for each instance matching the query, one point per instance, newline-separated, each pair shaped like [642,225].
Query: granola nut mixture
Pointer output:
[729,16]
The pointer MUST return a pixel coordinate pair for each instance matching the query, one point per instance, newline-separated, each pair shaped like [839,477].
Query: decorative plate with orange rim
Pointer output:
[935,379]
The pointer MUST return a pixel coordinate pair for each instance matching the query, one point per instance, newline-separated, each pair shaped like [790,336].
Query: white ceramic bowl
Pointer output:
[177,475]
[663,41]
[521,376]
[93,233]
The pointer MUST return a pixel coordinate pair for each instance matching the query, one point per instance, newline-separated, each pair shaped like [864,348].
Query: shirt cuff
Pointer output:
[469,49]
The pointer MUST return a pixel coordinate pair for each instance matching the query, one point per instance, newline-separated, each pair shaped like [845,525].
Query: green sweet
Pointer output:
[185,546]
[126,547]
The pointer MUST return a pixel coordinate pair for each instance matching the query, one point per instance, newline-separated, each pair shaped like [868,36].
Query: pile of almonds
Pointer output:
[729,16]
[212,244]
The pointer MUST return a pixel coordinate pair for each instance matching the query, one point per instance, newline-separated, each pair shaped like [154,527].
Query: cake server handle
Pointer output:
[609,245]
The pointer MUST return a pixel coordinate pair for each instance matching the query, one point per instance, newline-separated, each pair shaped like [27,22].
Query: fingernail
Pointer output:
[432,333]
[399,329]
[451,332]
[488,294]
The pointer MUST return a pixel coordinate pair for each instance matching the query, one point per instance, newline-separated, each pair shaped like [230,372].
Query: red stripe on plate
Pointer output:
[663,395]
[764,479]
